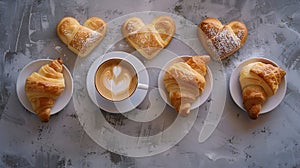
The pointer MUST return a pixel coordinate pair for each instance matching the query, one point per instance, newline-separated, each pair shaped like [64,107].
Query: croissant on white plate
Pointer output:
[259,81]
[42,88]
[185,81]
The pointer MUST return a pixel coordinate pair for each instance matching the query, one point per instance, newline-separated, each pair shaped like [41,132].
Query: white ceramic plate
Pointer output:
[124,105]
[236,92]
[34,66]
[201,99]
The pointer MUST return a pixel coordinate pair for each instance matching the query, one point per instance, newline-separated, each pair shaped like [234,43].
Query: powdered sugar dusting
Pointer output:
[225,42]
[85,38]
[241,34]
[209,30]
[130,27]
[213,32]
[93,37]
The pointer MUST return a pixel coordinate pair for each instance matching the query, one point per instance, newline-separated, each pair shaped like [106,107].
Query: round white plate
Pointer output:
[201,99]
[124,105]
[34,66]
[236,92]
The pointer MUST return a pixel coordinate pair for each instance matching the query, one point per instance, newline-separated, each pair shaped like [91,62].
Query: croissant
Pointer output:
[42,88]
[259,81]
[185,81]
[81,39]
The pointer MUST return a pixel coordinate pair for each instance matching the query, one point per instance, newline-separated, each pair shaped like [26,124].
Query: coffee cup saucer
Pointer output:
[127,104]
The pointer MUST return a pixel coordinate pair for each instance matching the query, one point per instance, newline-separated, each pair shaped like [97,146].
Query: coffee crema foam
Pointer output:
[116,79]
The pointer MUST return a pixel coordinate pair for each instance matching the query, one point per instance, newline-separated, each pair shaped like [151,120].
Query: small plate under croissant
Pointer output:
[202,97]
[46,97]
[263,91]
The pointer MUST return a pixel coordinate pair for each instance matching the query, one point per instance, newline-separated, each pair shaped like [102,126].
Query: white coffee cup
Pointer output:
[116,79]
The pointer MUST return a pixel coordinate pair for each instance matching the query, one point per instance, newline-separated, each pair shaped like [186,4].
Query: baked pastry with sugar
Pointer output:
[219,40]
[149,39]
[259,81]
[81,39]
[185,82]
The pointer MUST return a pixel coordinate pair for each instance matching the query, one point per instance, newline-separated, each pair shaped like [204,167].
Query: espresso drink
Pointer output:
[116,79]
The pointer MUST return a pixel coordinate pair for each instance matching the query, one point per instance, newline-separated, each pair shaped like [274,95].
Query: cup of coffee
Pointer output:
[116,79]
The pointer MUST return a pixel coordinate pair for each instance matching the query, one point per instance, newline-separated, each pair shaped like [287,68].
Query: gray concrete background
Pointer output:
[28,33]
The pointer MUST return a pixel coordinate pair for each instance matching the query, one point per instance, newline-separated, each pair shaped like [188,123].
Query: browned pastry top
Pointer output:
[42,88]
[270,73]
[185,81]
[220,40]
[149,39]
[81,39]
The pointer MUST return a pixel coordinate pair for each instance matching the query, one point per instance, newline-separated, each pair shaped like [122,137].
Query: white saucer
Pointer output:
[124,105]
[236,92]
[201,99]
[34,66]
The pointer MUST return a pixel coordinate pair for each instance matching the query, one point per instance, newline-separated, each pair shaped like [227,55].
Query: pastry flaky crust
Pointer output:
[185,81]
[258,82]
[149,39]
[81,39]
[44,87]
[219,40]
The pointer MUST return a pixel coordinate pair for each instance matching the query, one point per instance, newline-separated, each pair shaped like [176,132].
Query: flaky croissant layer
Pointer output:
[259,81]
[185,81]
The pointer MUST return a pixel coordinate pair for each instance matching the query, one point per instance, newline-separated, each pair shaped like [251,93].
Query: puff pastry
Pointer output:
[219,40]
[42,88]
[185,81]
[81,39]
[149,39]
[259,81]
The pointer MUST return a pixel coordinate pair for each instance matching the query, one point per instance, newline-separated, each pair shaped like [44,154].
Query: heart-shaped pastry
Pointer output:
[149,39]
[81,39]
[219,40]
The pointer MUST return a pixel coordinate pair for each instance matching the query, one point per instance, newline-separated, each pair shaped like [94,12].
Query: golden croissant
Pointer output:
[42,88]
[258,82]
[185,81]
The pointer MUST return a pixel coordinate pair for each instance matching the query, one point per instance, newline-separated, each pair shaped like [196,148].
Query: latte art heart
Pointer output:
[116,71]
[116,81]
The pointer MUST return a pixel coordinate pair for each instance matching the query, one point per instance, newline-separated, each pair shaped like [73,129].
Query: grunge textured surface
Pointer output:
[28,33]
